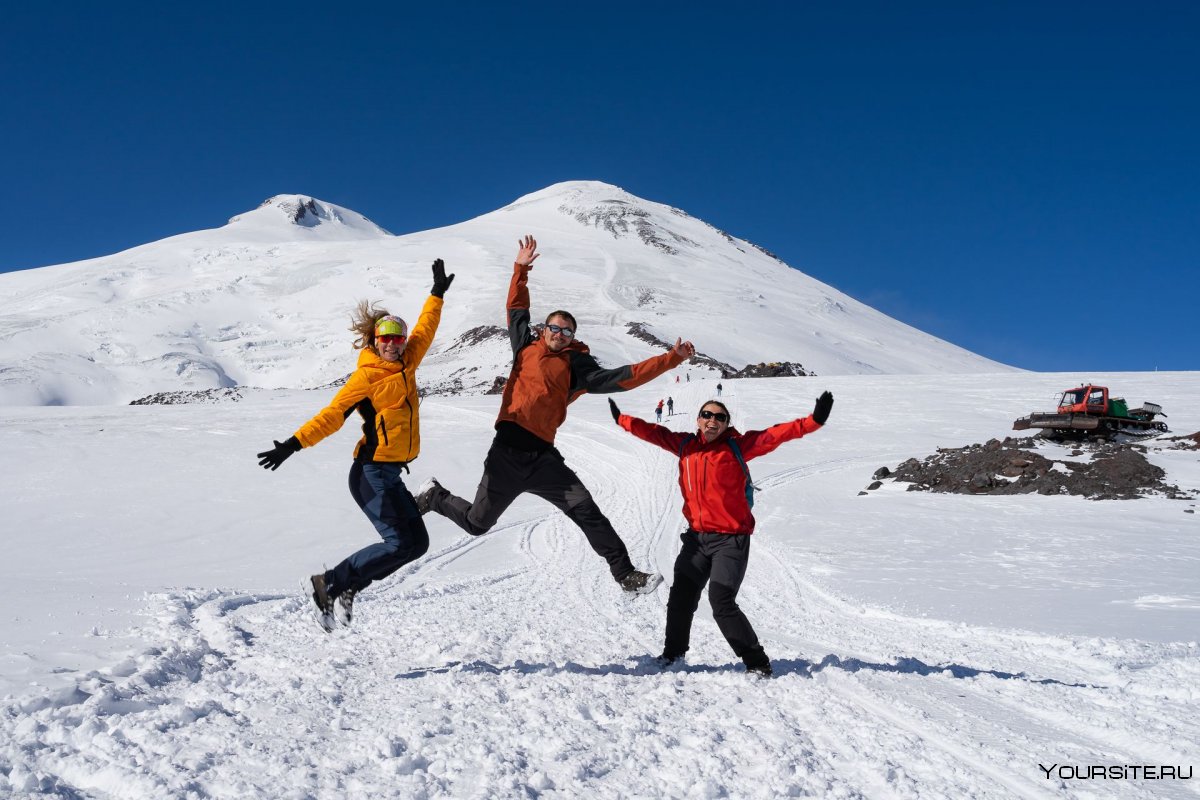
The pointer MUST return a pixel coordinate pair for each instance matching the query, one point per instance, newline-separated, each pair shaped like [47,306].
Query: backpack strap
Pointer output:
[737,453]
[750,487]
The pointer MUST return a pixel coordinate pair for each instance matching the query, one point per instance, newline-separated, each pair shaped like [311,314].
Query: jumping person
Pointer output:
[549,372]
[383,390]
[717,496]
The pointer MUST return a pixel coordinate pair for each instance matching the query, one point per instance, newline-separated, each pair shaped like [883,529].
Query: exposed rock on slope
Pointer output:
[1102,471]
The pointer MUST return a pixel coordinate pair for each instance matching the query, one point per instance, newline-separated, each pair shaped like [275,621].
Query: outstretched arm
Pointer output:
[665,438]
[329,419]
[519,333]
[588,376]
[759,443]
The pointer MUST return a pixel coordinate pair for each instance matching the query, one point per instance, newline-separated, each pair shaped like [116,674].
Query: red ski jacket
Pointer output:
[712,479]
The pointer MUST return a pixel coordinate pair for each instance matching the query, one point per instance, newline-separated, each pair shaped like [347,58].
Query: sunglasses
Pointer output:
[719,416]
[391,338]
[566,332]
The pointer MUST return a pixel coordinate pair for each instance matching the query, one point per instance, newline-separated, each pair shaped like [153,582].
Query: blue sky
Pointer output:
[1005,177]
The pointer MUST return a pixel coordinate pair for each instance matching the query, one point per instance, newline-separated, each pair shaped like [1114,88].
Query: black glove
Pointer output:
[440,282]
[821,409]
[616,412]
[271,459]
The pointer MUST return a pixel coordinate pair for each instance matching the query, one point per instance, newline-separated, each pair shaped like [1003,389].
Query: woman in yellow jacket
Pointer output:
[383,390]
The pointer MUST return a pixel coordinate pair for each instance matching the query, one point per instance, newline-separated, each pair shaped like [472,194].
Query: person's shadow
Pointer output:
[910,666]
[645,665]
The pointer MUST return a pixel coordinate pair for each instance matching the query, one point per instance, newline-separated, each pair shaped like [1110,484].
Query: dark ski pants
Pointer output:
[380,492]
[721,558]
[508,473]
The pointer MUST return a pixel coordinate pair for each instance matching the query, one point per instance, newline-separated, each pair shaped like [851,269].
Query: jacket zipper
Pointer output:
[687,464]
[383,430]
[408,402]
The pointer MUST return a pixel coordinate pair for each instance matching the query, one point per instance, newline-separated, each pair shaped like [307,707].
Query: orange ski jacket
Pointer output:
[542,383]
[384,393]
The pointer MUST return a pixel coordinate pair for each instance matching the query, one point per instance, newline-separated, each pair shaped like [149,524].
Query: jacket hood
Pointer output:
[367,357]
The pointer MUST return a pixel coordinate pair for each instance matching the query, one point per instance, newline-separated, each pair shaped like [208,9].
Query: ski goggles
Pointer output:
[566,332]
[719,416]
[391,338]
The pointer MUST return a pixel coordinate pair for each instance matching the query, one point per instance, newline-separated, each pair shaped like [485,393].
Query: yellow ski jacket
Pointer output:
[384,393]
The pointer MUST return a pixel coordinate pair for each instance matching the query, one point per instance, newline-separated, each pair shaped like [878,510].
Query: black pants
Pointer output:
[721,558]
[380,492]
[508,473]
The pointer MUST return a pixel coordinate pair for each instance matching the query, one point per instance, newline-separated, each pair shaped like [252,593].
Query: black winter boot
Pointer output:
[322,601]
[641,582]
[757,663]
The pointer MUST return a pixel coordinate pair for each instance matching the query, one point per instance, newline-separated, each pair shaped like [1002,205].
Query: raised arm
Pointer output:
[517,308]
[421,336]
[588,376]
[423,332]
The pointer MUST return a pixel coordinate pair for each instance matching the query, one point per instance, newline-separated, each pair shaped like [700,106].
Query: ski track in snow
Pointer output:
[510,665]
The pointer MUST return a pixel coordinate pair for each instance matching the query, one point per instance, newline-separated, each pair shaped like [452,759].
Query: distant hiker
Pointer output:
[716,543]
[677,379]
[658,411]
[383,390]
[549,372]
[689,377]
[718,390]
[670,407]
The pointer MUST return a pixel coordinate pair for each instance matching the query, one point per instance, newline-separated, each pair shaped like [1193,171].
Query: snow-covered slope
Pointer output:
[265,300]
[955,643]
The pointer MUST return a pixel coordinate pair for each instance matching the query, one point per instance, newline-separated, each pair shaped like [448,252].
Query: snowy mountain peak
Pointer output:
[302,211]
[622,215]
[574,192]
[263,301]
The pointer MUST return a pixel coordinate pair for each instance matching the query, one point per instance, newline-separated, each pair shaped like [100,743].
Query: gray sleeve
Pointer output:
[588,376]
[519,333]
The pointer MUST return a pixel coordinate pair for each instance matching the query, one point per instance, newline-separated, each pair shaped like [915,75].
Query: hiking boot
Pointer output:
[666,660]
[345,606]
[760,671]
[323,602]
[758,664]
[425,493]
[641,582]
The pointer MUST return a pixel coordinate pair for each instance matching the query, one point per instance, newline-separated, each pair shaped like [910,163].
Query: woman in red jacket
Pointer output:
[717,496]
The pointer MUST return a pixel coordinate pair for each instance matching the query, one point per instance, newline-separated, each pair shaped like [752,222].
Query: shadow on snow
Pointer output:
[645,665]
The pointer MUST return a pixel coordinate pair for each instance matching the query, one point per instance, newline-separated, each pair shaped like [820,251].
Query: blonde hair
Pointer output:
[366,314]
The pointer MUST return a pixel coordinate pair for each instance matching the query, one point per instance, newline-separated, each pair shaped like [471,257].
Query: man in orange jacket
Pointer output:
[549,372]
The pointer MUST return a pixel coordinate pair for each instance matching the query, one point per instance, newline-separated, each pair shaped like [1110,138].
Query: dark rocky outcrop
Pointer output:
[774,369]
[1108,471]
[478,335]
[205,396]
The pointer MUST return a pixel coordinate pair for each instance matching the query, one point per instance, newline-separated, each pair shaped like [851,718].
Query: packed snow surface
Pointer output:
[155,643]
